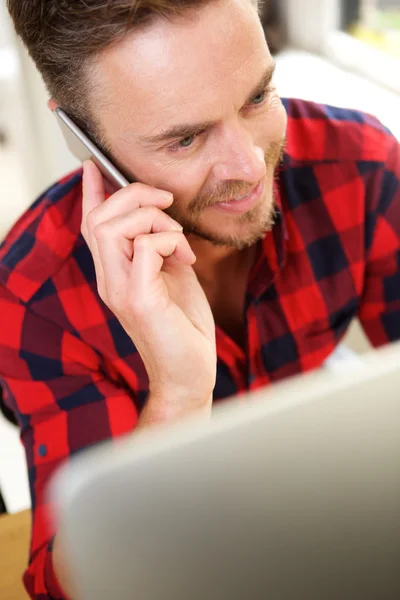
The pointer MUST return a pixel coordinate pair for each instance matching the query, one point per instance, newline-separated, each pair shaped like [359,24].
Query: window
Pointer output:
[367,40]
[375,22]
[362,36]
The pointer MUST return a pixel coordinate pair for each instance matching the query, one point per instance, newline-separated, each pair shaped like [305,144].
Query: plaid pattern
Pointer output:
[74,378]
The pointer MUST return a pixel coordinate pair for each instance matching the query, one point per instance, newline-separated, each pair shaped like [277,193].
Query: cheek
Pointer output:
[273,124]
[183,179]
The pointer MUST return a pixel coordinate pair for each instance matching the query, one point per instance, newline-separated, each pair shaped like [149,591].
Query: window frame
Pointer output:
[321,32]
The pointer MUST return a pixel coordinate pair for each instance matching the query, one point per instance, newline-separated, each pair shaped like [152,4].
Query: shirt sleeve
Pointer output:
[380,305]
[64,403]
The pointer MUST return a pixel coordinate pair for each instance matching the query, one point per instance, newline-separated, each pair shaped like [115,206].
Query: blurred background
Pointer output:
[340,52]
[343,52]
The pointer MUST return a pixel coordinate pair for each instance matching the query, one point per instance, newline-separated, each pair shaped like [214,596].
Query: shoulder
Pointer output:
[323,133]
[43,238]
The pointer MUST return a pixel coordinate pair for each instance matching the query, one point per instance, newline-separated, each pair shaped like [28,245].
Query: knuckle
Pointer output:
[142,189]
[152,212]
[91,220]
[142,242]
[138,191]
[101,231]
[138,187]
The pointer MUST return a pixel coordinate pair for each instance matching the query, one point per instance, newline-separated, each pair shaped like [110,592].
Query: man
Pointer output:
[139,322]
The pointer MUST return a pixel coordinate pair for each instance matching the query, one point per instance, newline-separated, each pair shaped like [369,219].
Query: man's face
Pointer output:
[188,106]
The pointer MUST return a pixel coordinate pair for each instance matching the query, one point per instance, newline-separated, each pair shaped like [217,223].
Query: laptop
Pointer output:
[289,493]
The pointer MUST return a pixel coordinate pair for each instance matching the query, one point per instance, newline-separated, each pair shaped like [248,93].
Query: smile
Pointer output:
[245,203]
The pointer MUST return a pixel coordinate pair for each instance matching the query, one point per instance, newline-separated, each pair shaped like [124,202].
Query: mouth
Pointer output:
[244,203]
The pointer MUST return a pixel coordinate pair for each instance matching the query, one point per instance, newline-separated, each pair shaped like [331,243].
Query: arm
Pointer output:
[56,422]
[58,566]
[63,404]
[144,274]
[380,305]
[62,399]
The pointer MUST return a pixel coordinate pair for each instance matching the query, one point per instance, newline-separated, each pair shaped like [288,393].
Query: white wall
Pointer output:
[16,167]
[309,21]
[52,158]
[36,154]
[304,75]
[13,472]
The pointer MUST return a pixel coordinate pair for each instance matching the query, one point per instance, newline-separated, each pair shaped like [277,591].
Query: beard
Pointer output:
[245,229]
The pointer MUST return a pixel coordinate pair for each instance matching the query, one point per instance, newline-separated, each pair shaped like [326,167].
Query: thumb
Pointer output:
[93,188]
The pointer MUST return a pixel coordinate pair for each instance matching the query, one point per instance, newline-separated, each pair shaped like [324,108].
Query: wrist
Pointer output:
[167,407]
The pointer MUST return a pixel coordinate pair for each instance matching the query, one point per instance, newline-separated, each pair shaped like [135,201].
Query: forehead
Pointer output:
[179,65]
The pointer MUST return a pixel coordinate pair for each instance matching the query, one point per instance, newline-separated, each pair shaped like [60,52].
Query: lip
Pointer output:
[243,206]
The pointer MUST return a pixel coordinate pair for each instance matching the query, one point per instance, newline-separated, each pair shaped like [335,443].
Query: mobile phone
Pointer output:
[83,149]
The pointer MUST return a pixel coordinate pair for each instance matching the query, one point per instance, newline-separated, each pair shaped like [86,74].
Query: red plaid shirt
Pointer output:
[73,376]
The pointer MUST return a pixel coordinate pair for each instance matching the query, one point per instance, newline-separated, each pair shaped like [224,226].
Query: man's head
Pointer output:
[179,93]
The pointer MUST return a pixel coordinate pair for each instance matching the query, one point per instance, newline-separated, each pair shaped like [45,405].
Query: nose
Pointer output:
[239,158]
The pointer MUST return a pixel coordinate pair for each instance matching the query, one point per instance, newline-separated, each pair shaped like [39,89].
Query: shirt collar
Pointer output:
[272,254]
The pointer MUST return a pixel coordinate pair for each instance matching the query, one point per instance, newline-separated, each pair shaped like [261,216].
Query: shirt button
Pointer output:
[42,450]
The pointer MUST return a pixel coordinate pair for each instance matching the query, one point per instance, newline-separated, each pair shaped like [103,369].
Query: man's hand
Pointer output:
[144,274]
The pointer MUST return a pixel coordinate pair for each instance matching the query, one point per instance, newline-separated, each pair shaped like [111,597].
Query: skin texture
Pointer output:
[168,75]
[168,262]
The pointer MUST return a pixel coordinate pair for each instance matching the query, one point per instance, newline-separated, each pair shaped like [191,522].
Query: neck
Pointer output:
[211,260]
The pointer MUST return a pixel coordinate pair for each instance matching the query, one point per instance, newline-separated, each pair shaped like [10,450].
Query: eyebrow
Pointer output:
[186,130]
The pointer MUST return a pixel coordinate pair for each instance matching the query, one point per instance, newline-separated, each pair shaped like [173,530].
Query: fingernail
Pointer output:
[168,196]
[177,227]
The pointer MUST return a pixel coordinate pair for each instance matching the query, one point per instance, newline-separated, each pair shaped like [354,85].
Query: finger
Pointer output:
[98,267]
[128,199]
[93,196]
[110,188]
[108,221]
[93,191]
[150,253]
[125,228]
[143,269]
[95,211]
[115,240]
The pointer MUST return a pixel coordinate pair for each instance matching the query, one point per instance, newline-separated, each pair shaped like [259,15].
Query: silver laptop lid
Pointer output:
[291,493]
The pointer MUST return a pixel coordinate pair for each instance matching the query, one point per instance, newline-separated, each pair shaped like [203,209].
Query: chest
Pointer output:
[270,329]
[228,303]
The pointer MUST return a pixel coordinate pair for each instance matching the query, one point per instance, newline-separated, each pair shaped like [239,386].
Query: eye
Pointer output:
[187,142]
[260,98]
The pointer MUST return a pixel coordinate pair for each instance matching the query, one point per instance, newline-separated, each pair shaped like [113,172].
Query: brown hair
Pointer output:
[62,36]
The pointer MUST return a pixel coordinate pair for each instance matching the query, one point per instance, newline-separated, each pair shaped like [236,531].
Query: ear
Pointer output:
[52,105]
